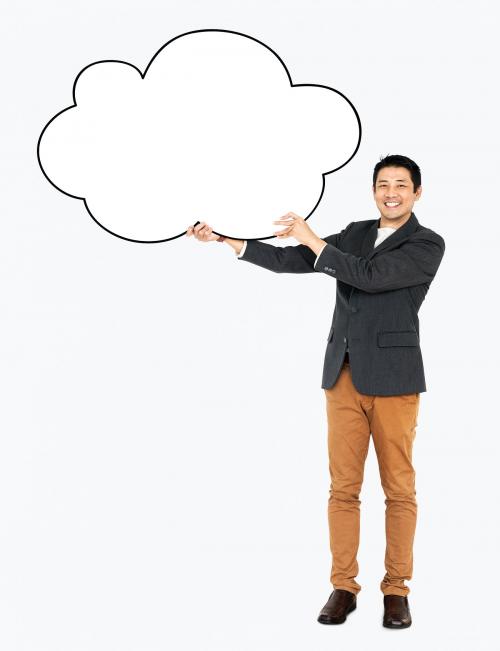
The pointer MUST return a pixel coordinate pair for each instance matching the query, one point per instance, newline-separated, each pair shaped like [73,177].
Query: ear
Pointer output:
[418,193]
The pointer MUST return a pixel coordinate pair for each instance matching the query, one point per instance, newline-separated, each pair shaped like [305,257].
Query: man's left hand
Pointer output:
[298,228]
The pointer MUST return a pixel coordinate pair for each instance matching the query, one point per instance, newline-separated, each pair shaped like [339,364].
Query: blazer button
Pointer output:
[345,340]
[325,268]
[332,270]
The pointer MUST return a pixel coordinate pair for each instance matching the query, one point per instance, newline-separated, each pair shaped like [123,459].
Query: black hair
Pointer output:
[396,160]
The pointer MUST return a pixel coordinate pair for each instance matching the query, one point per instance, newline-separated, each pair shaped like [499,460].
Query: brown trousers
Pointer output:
[392,421]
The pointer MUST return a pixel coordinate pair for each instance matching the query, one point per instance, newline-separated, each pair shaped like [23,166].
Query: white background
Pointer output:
[163,462]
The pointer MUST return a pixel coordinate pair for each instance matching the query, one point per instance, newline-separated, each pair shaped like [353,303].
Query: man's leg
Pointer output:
[393,424]
[348,441]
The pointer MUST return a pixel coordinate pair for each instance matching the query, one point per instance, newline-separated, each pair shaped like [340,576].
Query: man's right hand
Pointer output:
[202,232]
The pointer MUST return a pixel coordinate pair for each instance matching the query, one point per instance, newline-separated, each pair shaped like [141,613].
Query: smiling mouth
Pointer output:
[392,204]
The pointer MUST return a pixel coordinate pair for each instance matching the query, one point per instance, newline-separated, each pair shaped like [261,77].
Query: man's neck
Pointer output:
[396,223]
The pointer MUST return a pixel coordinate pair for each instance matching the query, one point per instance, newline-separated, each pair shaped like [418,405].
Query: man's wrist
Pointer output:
[236,245]
[316,245]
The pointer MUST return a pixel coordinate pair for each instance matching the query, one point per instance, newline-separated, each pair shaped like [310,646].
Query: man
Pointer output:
[373,370]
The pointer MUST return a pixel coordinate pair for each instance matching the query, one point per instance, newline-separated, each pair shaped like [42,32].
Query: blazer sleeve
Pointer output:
[287,259]
[415,262]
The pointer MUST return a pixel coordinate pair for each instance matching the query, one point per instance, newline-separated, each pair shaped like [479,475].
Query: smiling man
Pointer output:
[373,370]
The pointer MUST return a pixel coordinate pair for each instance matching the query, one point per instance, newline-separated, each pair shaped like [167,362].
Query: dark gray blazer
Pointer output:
[379,294]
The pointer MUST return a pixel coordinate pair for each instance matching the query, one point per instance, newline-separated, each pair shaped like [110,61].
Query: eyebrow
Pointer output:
[385,180]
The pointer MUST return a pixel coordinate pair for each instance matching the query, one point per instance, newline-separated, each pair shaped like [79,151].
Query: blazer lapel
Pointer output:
[394,239]
[369,239]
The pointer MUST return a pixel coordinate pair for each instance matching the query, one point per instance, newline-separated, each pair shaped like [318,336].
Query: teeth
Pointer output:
[391,204]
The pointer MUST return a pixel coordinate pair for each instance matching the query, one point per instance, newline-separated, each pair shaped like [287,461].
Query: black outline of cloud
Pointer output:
[195,31]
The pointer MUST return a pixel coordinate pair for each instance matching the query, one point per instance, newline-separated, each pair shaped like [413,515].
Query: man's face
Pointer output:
[393,193]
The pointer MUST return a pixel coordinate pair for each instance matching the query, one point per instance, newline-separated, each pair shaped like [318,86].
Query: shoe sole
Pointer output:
[387,625]
[339,621]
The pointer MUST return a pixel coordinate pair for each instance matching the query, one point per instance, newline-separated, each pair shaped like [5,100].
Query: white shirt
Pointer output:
[383,232]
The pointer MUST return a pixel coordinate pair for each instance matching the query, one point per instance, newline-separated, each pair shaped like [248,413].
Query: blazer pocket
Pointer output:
[387,338]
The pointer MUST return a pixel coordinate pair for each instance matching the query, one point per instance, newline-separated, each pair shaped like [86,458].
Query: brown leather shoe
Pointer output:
[340,603]
[396,611]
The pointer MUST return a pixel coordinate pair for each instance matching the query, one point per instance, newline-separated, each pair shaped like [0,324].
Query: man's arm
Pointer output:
[242,252]
[414,263]
[286,259]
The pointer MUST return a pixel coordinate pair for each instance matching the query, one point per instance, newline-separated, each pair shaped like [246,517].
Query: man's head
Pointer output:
[396,187]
